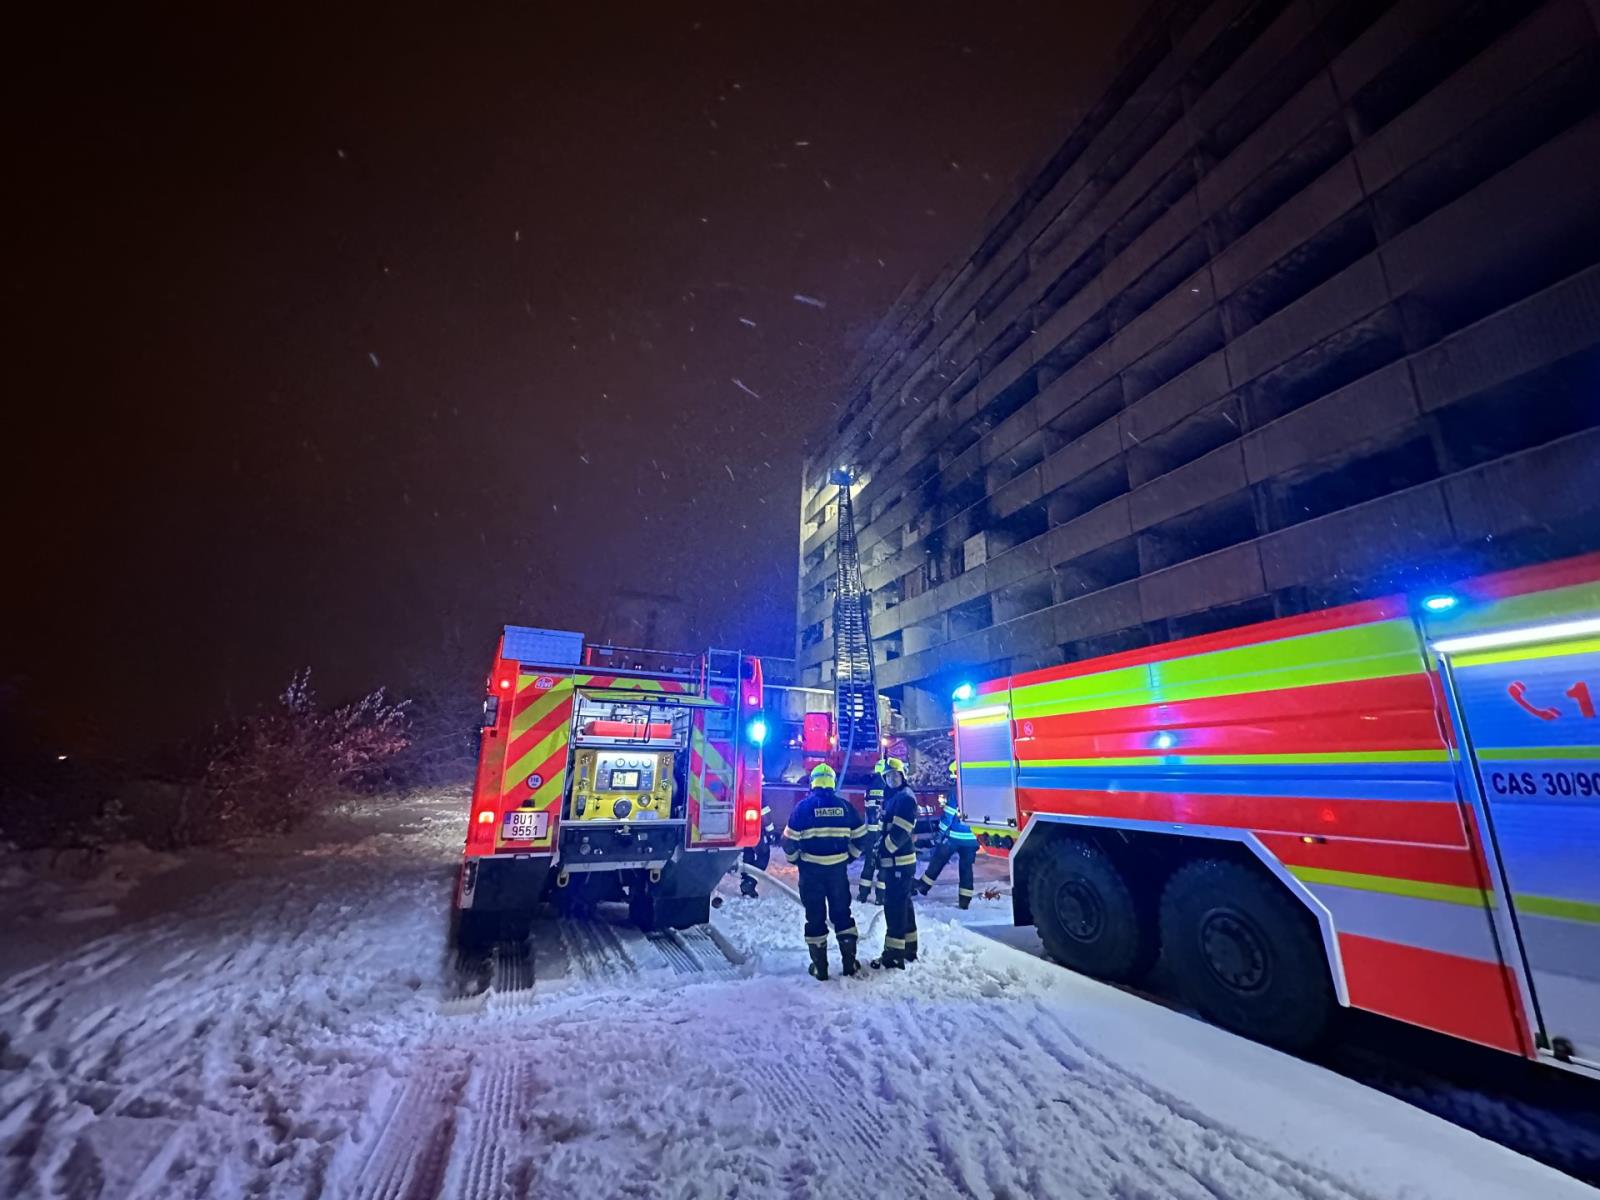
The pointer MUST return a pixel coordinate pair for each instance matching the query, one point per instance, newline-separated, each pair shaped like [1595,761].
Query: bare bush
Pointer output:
[272,770]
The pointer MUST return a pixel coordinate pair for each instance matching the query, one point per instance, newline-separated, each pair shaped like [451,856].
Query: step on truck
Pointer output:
[1392,805]
[607,773]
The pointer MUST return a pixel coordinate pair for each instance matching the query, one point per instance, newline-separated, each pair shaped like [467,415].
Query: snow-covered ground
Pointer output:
[276,1024]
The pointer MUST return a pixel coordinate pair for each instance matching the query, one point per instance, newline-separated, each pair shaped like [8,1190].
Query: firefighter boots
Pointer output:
[847,952]
[819,962]
[889,963]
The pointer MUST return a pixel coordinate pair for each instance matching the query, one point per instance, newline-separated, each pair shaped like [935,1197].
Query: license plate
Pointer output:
[523,826]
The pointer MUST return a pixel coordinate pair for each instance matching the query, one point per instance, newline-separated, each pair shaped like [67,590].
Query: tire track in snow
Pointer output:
[489,1131]
[412,1149]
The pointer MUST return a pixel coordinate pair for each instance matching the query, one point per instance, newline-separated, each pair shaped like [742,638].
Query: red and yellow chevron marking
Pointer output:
[539,740]
[714,761]
[631,683]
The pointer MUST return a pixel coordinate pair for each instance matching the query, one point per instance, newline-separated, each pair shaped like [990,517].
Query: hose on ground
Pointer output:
[757,873]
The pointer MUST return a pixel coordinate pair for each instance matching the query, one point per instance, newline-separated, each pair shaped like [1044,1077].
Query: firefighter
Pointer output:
[955,839]
[871,889]
[823,834]
[759,855]
[897,867]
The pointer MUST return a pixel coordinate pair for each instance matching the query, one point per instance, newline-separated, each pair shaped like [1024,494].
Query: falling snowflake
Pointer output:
[729,470]
[373,355]
[747,321]
[811,300]
[740,384]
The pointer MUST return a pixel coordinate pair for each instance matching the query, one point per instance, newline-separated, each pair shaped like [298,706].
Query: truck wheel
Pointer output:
[1247,956]
[475,932]
[1087,916]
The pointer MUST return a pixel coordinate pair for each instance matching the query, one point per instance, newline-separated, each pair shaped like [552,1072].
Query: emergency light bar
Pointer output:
[1517,637]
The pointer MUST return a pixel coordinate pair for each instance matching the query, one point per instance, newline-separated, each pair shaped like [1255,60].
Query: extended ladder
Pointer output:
[855,687]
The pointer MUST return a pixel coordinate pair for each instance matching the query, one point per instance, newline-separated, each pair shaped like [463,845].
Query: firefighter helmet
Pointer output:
[822,776]
[953,774]
[894,764]
[880,766]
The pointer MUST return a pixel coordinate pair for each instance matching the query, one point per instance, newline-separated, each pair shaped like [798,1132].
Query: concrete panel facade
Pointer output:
[1306,308]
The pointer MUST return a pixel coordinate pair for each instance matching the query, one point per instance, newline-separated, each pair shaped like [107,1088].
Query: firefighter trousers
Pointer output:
[899,915]
[759,855]
[966,853]
[825,892]
[869,869]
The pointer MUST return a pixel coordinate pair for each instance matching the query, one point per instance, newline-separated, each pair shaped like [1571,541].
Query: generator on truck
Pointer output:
[1392,805]
[608,773]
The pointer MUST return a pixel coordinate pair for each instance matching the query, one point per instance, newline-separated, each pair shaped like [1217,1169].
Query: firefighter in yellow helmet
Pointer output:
[897,867]
[823,834]
[870,888]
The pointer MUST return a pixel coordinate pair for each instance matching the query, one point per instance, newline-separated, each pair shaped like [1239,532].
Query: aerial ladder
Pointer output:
[855,687]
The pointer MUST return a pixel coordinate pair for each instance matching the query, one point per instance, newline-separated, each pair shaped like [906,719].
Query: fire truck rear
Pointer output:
[608,774]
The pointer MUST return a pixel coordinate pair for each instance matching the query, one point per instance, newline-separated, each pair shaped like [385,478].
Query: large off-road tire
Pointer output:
[475,931]
[1088,916]
[1247,954]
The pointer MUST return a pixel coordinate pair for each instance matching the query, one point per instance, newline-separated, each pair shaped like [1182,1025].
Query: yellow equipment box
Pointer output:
[622,785]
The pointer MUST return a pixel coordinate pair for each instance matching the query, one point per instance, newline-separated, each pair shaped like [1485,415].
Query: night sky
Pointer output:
[341,339]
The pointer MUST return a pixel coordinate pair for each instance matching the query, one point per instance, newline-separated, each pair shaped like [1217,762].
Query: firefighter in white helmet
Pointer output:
[870,888]
[897,867]
[823,834]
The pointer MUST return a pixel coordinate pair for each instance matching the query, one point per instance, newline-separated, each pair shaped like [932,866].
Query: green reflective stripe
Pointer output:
[824,860]
[904,860]
[890,943]
[965,891]
[912,936]
[815,940]
[1530,608]
[844,933]
[999,762]
[1554,906]
[1230,760]
[908,826]
[1553,753]
[927,879]
[1369,651]
[825,831]
[1447,892]
[963,836]
[1532,650]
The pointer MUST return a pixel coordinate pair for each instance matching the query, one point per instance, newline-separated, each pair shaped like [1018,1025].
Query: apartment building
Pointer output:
[1306,308]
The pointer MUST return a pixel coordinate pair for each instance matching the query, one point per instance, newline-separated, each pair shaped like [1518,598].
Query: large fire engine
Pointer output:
[608,773]
[1392,805]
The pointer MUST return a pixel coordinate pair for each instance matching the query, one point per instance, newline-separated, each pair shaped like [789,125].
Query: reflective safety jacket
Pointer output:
[824,830]
[897,839]
[951,827]
[875,799]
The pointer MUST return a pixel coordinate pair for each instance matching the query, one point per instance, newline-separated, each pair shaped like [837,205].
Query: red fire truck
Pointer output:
[1392,805]
[608,773]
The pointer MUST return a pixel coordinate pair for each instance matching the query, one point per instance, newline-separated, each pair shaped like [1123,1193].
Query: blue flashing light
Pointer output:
[964,693]
[756,731]
[1440,603]
[1165,740]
